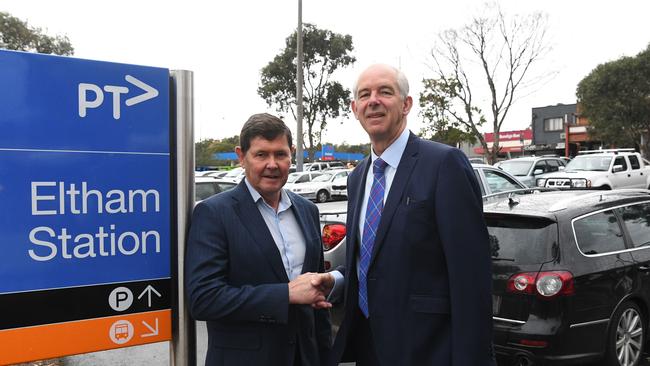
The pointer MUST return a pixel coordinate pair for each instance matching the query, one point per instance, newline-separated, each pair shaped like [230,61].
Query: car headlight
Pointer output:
[541,182]
[580,183]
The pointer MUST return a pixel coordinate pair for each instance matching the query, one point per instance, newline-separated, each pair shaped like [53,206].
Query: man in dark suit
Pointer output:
[418,270]
[251,256]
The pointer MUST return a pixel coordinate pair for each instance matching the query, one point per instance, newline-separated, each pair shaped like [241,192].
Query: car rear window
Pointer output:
[522,240]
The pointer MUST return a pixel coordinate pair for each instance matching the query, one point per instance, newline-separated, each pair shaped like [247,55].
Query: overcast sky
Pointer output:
[226,43]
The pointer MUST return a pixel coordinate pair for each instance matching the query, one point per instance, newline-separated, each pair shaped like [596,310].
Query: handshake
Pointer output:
[311,289]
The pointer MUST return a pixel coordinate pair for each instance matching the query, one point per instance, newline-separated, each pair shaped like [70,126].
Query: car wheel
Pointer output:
[626,336]
[322,196]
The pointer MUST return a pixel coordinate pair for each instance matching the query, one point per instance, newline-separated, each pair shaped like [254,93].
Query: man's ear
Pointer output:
[240,155]
[353,106]
[408,103]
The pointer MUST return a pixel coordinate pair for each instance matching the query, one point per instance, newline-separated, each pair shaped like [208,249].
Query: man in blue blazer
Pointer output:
[252,254]
[418,270]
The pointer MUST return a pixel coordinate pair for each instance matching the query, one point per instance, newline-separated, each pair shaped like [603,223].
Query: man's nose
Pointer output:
[373,100]
[271,163]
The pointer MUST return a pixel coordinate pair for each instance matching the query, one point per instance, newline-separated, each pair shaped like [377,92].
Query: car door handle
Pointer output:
[644,268]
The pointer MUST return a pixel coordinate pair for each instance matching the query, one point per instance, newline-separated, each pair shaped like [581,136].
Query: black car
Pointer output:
[571,276]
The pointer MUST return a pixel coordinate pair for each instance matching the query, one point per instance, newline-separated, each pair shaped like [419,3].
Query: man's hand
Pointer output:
[303,291]
[324,282]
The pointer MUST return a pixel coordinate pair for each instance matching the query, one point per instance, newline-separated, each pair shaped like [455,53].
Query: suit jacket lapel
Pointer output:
[402,177]
[253,221]
[312,250]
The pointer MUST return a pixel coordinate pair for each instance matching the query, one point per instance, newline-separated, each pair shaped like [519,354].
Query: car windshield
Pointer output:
[322,178]
[595,163]
[522,240]
[234,173]
[516,167]
[293,177]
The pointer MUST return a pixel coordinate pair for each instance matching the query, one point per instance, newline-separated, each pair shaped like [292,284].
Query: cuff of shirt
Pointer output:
[335,294]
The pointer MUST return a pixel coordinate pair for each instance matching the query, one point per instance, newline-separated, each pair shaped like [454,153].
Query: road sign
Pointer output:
[84,206]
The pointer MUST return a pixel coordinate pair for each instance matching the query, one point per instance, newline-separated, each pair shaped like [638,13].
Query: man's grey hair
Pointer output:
[402,83]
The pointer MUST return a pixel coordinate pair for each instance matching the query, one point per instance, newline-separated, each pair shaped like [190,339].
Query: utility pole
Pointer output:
[299,153]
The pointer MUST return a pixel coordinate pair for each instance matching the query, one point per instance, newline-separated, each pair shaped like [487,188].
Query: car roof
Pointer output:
[552,203]
[201,179]
[532,158]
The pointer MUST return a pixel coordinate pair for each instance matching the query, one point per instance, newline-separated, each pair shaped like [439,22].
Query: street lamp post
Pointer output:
[299,153]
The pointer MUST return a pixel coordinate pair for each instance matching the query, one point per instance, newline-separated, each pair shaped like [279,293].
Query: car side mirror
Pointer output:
[562,167]
[537,171]
[617,168]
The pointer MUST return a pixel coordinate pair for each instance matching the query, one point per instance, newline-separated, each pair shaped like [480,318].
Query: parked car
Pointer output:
[340,187]
[298,178]
[571,276]
[529,169]
[205,187]
[493,180]
[602,169]
[324,165]
[320,188]
[235,175]
[214,173]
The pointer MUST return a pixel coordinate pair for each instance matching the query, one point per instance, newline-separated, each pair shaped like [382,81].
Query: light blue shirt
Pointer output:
[392,155]
[284,228]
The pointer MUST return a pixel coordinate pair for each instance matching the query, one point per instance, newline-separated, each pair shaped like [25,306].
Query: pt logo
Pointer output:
[92,96]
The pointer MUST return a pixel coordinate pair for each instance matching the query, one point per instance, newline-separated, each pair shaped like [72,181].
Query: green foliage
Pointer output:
[203,153]
[615,97]
[437,109]
[204,150]
[324,99]
[16,34]
[360,148]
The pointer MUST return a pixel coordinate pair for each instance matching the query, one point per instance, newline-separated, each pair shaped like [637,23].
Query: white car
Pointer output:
[298,178]
[320,188]
[601,169]
[205,187]
[339,187]
[235,175]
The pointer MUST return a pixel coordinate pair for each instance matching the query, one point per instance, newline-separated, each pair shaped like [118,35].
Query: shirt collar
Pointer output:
[284,204]
[393,153]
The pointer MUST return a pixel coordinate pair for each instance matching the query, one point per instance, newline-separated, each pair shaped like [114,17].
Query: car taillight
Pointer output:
[545,284]
[332,235]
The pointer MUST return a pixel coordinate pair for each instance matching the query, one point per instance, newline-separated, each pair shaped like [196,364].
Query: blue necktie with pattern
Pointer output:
[373,215]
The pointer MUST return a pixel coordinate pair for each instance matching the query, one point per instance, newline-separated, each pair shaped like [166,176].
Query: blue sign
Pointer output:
[84,172]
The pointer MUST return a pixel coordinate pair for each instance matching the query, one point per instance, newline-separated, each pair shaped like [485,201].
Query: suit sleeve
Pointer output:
[322,316]
[466,248]
[210,295]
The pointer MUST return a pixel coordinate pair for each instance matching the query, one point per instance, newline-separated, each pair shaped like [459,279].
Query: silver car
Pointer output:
[528,169]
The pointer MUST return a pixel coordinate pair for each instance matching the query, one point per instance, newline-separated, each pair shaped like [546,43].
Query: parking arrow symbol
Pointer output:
[149,92]
[148,292]
[154,331]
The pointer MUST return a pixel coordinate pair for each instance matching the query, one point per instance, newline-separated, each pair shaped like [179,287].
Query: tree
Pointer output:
[16,34]
[615,97]
[490,58]
[323,98]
